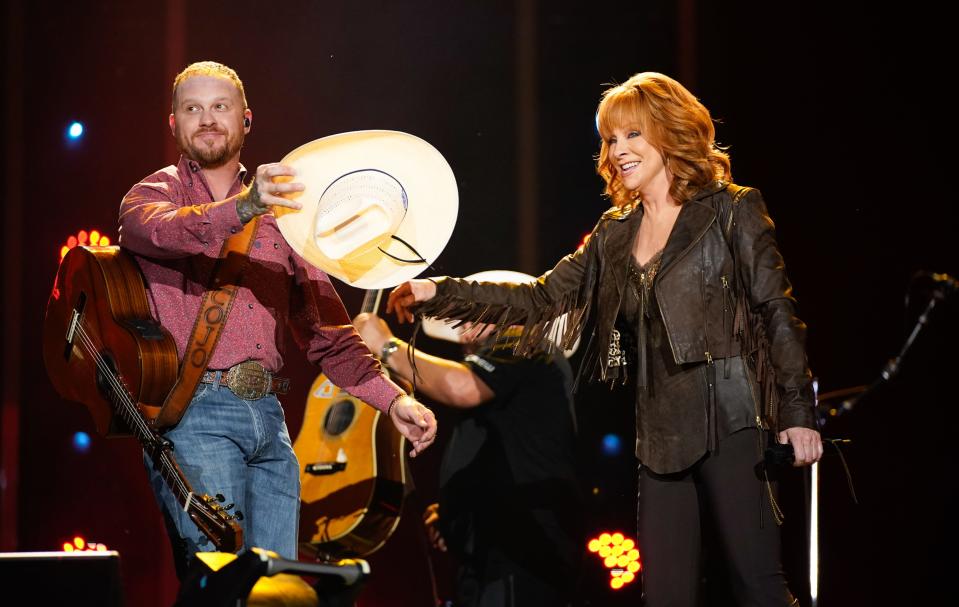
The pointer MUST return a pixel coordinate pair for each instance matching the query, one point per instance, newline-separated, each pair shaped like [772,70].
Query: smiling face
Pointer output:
[207,120]
[654,120]
[636,162]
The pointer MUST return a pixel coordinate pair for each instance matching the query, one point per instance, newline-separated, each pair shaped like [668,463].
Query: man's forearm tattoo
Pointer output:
[248,205]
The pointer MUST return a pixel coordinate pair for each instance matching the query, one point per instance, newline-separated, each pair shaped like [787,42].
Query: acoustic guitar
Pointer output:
[102,348]
[353,474]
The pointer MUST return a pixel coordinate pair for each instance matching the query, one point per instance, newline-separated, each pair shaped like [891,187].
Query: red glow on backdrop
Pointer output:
[582,243]
[620,556]
[92,238]
[79,544]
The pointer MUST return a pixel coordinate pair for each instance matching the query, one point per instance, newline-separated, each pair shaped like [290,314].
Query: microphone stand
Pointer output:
[892,367]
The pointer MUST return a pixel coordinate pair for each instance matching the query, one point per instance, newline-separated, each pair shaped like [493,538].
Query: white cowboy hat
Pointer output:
[447,330]
[378,208]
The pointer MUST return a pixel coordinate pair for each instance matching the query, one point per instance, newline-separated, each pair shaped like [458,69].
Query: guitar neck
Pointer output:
[371,301]
[153,444]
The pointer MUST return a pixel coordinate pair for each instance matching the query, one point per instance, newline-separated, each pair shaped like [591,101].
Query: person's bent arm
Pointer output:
[153,224]
[445,381]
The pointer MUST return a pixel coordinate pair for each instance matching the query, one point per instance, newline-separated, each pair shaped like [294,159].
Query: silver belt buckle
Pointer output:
[249,380]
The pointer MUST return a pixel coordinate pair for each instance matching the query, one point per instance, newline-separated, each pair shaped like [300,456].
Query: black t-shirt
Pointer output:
[508,477]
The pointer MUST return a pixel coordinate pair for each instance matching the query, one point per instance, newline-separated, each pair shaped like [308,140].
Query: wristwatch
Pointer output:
[390,346]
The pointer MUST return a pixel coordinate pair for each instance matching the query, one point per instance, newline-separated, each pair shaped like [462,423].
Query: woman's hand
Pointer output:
[806,443]
[405,295]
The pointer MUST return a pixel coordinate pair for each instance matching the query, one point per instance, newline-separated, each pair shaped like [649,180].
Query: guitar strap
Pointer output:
[214,310]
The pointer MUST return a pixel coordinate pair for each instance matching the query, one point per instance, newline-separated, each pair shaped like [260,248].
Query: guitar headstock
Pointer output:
[216,522]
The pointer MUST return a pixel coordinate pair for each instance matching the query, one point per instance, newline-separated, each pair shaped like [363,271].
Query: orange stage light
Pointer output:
[93,238]
[620,556]
[79,544]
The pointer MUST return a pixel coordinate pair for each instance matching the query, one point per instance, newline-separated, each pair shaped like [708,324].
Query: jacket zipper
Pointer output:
[726,331]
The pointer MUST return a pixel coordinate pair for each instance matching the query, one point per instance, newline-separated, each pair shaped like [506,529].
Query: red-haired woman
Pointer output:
[690,294]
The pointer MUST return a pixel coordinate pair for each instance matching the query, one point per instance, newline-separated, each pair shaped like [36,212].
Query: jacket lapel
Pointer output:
[619,246]
[694,219]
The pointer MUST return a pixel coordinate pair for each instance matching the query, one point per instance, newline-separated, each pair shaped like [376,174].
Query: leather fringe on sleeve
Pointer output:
[568,289]
[539,324]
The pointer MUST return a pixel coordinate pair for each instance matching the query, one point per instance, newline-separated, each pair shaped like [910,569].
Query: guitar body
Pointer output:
[353,511]
[102,348]
[106,284]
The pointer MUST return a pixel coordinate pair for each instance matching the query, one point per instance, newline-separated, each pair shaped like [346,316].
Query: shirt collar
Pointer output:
[188,167]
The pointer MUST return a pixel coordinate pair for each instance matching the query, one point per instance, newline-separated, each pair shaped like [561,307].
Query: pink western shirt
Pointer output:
[176,230]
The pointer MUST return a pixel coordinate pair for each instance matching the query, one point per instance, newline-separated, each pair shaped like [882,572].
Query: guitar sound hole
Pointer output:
[339,416]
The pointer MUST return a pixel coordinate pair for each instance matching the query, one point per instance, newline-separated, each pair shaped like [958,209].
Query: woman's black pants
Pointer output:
[727,487]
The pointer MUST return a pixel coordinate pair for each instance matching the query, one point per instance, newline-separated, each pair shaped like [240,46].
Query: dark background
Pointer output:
[838,112]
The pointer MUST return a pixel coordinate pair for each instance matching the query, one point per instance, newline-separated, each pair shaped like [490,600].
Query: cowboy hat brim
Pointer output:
[428,191]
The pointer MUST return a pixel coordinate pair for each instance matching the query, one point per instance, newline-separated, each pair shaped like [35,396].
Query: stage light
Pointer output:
[75,130]
[79,544]
[81,442]
[612,445]
[93,238]
[619,555]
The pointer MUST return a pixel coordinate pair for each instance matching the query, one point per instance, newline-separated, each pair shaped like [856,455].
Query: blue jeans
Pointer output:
[241,449]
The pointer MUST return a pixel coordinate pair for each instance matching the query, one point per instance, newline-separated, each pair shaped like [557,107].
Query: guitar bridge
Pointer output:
[74,323]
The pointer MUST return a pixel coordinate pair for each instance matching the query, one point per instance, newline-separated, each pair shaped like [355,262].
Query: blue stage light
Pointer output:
[75,130]
[81,442]
[612,444]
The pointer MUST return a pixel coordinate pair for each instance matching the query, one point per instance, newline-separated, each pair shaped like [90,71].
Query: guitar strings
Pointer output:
[133,418]
[136,422]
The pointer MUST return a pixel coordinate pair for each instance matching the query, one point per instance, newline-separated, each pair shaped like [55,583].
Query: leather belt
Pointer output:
[249,380]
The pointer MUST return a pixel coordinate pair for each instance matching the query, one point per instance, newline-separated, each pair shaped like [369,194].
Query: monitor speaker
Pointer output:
[61,578]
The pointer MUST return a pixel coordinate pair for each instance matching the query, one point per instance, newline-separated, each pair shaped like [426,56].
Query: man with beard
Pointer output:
[175,222]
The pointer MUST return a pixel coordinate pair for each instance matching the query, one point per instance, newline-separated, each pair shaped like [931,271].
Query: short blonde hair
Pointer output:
[209,68]
[673,121]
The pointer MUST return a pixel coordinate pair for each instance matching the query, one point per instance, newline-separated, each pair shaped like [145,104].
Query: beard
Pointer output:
[210,156]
